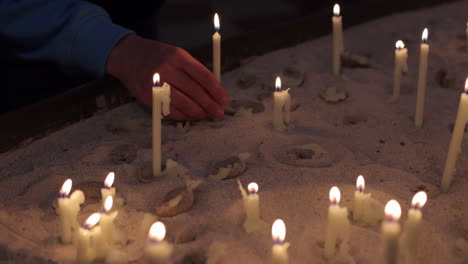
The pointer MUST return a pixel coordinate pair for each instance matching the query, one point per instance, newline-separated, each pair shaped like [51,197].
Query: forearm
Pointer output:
[76,35]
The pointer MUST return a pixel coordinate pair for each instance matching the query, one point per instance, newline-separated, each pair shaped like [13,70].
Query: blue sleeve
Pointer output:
[74,34]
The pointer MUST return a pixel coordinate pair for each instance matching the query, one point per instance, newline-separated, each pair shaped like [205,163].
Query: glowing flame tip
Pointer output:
[252,187]
[216,22]
[393,210]
[399,44]
[92,221]
[278,231]
[108,203]
[419,200]
[425,35]
[109,179]
[335,195]
[66,187]
[156,79]
[360,183]
[278,83]
[466,85]
[157,231]
[336,10]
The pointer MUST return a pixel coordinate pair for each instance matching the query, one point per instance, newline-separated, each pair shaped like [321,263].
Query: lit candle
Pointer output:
[279,250]
[391,232]
[338,224]
[338,46]
[108,190]
[161,103]
[85,252]
[217,49]
[281,106]
[401,65]
[68,208]
[456,141]
[157,250]
[361,200]
[423,59]
[107,221]
[253,223]
[410,235]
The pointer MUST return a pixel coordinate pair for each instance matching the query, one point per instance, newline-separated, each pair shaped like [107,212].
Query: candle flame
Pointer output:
[360,183]
[92,221]
[425,35]
[278,84]
[157,231]
[216,21]
[252,187]
[109,180]
[419,200]
[278,231]
[156,79]
[336,10]
[108,204]
[400,44]
[335,195]
[66,188]
[466,85]
[393,210]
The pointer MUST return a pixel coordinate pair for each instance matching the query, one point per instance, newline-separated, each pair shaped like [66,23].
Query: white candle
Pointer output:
[85,253]
[410,235]
[68,208]
[161,103]
[401,65]
[361,200]
[423,59]
[157,250]
[279,250]
[456,141]
[108,190]
[109,232]
[217,49]
[281,106]
[391,232]
[337,225]
[338,46]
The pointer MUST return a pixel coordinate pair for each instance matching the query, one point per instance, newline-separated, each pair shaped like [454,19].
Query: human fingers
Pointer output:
[176,114]
[186,105]
[193,90]
[204,77]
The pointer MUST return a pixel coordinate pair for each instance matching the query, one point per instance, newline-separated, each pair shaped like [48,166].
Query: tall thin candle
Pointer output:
[401,65]
[391,232]
[217,48]
[456,141]
[423,61]
[338,46]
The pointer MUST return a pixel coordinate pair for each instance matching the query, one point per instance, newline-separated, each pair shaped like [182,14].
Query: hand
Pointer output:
[195,92]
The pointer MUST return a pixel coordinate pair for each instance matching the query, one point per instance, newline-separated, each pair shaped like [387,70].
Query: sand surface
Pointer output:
[362,135]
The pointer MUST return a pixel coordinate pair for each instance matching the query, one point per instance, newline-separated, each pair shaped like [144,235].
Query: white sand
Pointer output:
[393,156]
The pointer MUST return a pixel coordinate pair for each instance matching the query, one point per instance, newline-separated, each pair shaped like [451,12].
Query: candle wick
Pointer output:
[63,195]
[277,242]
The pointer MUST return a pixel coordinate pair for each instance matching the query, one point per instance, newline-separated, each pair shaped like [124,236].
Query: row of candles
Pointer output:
[98,233]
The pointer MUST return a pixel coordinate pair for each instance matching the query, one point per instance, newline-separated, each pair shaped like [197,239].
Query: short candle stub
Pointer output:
[360,183]
[392,211]
[92,221]
[216,22]
[400,45]
[336,10]
[278,84]
[157,232]
[109,180]
[424,36]
[335,195]
[156,80]
[66,188]
[252,188]
[419,200]
[108,203]
[278,231]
